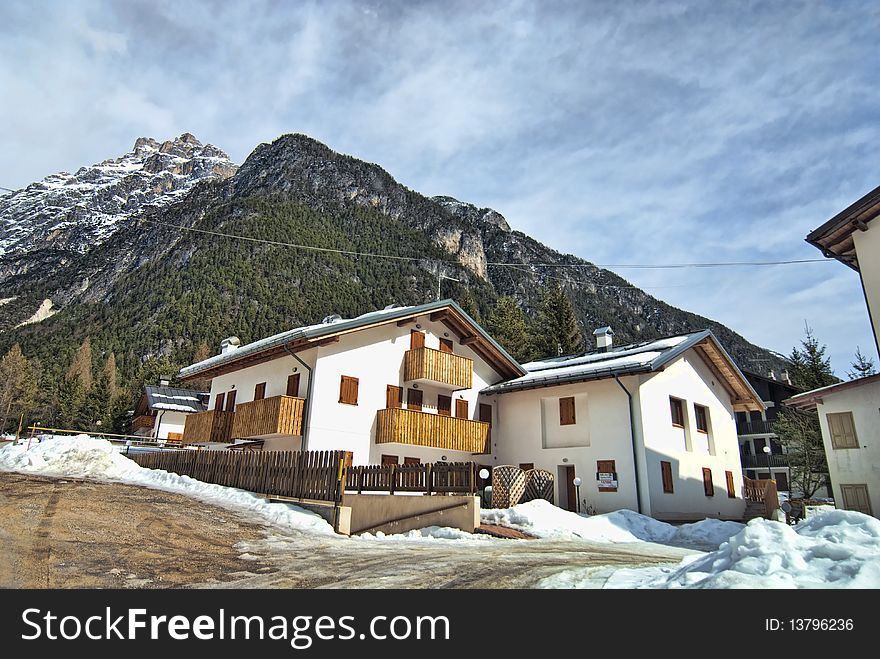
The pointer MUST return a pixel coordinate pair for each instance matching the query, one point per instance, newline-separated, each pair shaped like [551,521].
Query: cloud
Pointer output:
[625,132]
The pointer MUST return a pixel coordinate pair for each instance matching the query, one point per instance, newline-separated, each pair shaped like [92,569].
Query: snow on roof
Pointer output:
[633,358]
[175,399]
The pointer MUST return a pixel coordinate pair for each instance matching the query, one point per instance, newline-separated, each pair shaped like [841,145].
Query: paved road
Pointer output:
[56,533]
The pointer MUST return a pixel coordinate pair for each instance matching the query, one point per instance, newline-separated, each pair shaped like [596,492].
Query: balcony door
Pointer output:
[461,408]
[414,399]
[293,385]
[416,339]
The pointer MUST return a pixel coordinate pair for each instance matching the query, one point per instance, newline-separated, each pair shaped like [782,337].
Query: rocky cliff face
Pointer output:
[121,268]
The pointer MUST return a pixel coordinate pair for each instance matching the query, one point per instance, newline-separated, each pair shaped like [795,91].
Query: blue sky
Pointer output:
[622,132]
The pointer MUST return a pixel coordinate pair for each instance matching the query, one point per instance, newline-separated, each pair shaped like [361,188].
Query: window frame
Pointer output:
[666,477]
[701,410]
[677,403]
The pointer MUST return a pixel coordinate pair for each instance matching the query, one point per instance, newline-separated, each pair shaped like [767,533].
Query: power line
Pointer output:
[662,265]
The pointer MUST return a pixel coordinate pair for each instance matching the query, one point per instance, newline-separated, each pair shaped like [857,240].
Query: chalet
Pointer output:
[161,410]
[849,412]
[646,426]
[399,385]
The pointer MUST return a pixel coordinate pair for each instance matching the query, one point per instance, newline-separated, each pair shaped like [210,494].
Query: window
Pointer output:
[393,397]
[606,467]
[702,414]
[219,401]
[412,461]
[666,471]
[708,488]
[260,391]
[461,408]
[293,385]
[445,345]
[389,459]
[414,399]
[566,411]
[781,479]
[416,339]
[731,488]
[348,390]
[525,466]
[230,401]
[444,405]
[675,405]
[842,429]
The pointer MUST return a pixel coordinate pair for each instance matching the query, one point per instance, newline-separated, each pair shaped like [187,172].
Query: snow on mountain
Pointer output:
[75,212]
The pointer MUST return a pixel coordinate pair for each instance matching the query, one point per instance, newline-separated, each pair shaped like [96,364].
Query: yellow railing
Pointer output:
[434,430]
[210,426]
[438,366]
[278,415]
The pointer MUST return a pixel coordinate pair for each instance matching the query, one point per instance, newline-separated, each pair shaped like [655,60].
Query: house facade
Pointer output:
[398,385]
[161,411]
[648,427]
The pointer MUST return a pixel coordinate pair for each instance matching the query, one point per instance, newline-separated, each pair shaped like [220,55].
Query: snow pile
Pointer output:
[837,549]
[429,533]
[87,457]
[544,520]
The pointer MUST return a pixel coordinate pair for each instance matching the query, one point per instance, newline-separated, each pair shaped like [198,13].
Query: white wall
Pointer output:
[690,379]
[861,465]
[602,432]
[168,421]
[867,244]
[274,373]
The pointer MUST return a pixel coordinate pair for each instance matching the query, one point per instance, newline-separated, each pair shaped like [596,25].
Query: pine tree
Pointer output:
[507,324]
[18,386]
[556,330]
[801,436]
[467,302]
[862,367]
[809,368]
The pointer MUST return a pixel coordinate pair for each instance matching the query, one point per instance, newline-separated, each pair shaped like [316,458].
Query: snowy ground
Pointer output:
[836,549]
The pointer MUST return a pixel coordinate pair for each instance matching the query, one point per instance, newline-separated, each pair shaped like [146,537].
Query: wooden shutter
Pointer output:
[606,467]
[444,405]
[677,410]
[412,461]
[855,497]
[702,418]
[389,459]
[260,391]
[416,339]
[486,413]
[230,401]
[445,345]
[348,390]
[414,399]
[293,385]
[461,408]
[393,397]
[566,411]
[666,470]
[708,487]
[219,401]
[842,429]
[731,488]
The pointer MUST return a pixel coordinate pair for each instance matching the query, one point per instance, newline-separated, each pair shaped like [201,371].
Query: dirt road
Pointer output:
[74,534]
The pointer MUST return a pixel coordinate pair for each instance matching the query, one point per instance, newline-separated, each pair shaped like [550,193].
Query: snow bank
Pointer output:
[429,533]
[836,549]
[544,520]
[87,457]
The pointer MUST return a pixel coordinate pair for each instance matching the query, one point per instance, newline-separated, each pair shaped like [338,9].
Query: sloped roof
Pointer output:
[308,336]
[174,399]
[835,238]
[809,400]
[636,358]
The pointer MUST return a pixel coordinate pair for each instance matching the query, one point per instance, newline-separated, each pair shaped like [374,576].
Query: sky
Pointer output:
[621,132]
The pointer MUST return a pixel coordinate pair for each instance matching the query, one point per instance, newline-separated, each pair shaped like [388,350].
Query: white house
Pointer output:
[161,410]
[849,412]
[647,426]
[398,385]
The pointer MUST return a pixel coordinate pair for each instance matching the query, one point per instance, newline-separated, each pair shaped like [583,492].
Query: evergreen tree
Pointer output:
[18,387]
[507,325]
[81,368]
[809,368]
[110,375]
[467,302]
[201,354]
[862,367]
[801,436]
[556,330]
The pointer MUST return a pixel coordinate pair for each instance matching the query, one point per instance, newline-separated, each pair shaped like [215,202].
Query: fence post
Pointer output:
[429,485]
[393,478]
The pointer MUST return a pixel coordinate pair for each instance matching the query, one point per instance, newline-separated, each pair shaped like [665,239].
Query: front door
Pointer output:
[855,497]
[571,494]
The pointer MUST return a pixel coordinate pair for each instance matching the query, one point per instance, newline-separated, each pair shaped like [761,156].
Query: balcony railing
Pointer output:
[210,426]
[433,430]
[438,366]
[142,422]
[758,461]
[278,415]
[754,427]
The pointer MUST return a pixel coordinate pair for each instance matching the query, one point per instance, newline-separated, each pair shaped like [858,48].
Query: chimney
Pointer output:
[230,344]
[604,338]
[786,377]
[164,380]
[773,374]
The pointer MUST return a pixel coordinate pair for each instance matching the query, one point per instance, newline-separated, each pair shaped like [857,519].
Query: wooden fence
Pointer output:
[762,491]
[315,475]
[429,478]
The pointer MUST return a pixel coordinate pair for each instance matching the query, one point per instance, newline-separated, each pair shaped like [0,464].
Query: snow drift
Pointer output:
[87,457]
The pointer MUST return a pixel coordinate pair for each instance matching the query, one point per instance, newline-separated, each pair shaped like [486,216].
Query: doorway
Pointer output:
[567,491]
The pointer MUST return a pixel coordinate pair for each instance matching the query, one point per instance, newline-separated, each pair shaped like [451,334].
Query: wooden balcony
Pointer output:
[279,415]
[423,429]
[210,426]
[438,367]
[142,422]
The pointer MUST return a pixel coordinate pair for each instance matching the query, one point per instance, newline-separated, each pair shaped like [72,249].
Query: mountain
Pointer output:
[147,286]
